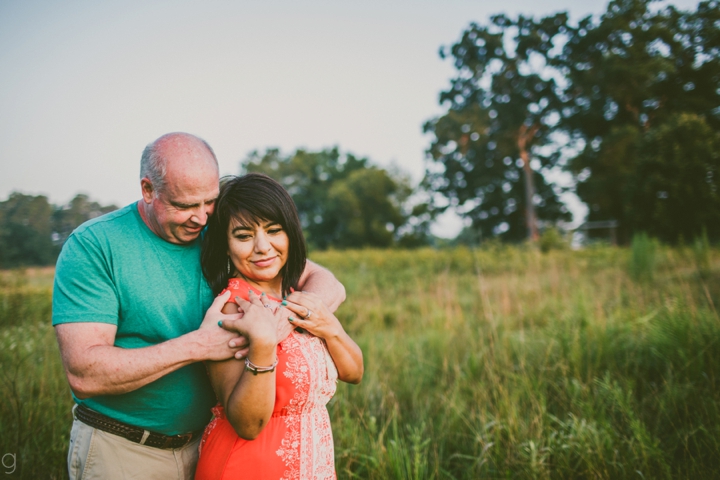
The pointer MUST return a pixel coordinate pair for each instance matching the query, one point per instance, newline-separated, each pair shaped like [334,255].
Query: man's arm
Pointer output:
[322,283]
[94,366]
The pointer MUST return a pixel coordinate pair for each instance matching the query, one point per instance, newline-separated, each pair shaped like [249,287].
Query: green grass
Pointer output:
[491,363]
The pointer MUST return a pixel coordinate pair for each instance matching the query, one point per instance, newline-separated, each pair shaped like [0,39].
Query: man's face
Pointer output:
[179,210]
[182,210]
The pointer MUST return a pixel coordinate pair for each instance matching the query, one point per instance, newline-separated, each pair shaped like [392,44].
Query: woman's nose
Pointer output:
[261,243]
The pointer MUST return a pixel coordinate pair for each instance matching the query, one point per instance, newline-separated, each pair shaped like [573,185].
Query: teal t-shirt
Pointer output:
[114,269]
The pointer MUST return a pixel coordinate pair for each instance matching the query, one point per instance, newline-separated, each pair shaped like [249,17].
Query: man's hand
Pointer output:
[220,343]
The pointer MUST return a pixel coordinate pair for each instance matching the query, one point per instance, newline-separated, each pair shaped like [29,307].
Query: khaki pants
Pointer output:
[95,454]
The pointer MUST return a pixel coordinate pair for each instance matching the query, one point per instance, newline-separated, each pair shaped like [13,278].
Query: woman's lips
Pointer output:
[265,262]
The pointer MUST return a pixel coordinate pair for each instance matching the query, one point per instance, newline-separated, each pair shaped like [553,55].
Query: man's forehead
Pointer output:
[192,185]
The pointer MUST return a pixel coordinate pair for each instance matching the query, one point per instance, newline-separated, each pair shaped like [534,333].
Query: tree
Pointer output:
[673,191]
[487,155]
[628,73]
[32,230]
[67,218]
[343,200]
[25,231]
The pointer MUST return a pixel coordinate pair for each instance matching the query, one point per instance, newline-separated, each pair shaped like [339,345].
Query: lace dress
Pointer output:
[297,441]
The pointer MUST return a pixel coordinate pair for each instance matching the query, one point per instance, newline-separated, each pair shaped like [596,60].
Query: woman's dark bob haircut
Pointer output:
[253,199]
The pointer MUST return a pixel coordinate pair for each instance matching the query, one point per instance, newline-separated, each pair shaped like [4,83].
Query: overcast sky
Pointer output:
[85,85]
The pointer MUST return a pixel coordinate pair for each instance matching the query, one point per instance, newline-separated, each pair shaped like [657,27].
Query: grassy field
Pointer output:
[490,363]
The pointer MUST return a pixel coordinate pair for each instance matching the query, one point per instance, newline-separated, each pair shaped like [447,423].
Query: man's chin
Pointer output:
[185,237]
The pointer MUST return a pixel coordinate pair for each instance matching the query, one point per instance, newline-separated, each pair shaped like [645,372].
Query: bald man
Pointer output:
[134,319]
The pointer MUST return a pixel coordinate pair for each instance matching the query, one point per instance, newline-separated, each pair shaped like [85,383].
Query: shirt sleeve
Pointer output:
[84,289]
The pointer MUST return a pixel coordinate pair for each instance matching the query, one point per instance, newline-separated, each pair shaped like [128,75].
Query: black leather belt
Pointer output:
[134,434]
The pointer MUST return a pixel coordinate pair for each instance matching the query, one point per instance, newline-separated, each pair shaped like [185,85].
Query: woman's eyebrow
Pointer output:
[271,224]
[240,227]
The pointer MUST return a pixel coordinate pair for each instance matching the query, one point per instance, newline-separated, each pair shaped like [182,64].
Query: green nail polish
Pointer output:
[290,319]
[262,294]
[219,323]
[283,303]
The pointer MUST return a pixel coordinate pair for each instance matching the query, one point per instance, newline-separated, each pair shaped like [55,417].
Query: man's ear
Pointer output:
[148,192]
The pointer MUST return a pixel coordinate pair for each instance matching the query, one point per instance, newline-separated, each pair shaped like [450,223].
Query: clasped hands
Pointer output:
[262,322]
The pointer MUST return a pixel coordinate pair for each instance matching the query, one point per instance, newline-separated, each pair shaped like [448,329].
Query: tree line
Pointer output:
[344,202]
[627,104]
[32,230]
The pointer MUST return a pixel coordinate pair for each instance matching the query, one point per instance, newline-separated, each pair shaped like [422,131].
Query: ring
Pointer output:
[308,314]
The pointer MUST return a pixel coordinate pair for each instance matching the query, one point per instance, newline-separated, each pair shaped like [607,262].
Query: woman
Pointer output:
[271,421]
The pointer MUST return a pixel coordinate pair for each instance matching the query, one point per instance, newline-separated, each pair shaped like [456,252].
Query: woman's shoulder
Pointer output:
[239,287]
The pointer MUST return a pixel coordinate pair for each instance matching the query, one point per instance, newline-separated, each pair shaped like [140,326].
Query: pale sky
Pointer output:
[85,85]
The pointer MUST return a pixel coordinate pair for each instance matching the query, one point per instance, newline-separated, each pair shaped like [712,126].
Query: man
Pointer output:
[134,317]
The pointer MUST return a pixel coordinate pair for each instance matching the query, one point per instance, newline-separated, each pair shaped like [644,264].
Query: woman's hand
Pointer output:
[259,325]
[318,320]
[312,315]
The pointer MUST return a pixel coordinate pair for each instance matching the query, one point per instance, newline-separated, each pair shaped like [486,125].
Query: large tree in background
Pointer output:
[343,200]
[503,106]
[627,74]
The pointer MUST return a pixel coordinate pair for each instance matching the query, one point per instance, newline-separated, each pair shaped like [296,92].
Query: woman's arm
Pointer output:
[322,323]
[248,399]
[347,356]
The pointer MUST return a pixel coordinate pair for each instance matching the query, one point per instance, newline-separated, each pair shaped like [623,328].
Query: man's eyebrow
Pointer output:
[183,205]
[190,205]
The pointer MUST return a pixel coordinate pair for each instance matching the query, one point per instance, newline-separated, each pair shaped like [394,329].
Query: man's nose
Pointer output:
[200,215]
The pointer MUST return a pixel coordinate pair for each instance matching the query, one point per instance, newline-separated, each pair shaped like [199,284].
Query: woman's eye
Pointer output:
[242,238]
[274,231]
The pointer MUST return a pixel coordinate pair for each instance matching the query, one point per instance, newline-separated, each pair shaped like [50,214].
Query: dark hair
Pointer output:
[254,198]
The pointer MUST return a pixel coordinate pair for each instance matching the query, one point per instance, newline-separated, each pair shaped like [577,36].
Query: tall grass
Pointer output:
[35,405]
[489,363]
[513,364]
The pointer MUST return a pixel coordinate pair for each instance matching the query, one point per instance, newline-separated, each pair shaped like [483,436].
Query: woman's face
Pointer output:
[258,251]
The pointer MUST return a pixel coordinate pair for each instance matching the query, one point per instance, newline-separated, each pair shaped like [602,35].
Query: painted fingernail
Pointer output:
[262,294]
[219,323]
[291,319]
[283,303]
[284,297]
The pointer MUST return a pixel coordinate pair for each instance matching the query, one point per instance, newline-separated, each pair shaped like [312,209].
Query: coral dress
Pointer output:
[297,441]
